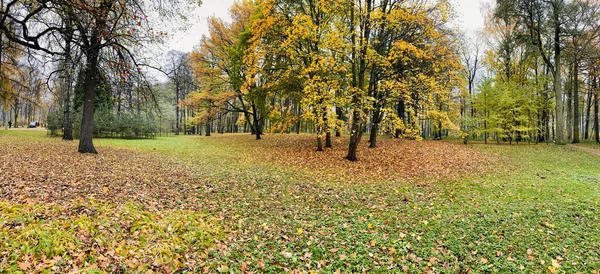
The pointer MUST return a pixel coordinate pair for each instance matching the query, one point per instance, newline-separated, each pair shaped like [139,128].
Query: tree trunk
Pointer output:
[569,106]
[256,127]
[340,116]
[558,93]
[66,86]
[576,114]
[4,120]
[596,124]
[207,128]
[16,110]
[373,135]
[177,108]
[68,124]
[90,88]
[356,130]
[319,143]
[327,129]
[587,116]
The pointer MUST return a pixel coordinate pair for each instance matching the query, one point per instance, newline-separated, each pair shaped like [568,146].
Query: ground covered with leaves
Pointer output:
[228,203]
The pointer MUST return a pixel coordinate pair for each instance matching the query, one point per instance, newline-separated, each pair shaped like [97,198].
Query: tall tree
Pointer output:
[100,27]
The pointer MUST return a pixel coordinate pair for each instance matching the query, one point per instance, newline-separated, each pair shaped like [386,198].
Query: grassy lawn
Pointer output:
[229,203]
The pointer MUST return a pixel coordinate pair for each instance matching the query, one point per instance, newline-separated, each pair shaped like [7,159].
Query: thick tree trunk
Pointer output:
[355,135]
[90,88]
[328,143]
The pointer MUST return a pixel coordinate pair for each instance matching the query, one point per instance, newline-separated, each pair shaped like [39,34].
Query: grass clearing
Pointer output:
[530,208]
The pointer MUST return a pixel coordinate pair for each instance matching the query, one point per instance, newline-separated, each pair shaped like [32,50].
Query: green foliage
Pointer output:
[507,110]
[126,124]
[55,122]
[103,94]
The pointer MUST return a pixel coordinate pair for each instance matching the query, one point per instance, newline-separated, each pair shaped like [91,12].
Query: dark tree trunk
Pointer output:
[340,116]
[569,110]
[400,111]
[90,88]
[576,116]
[327,129]
[16,110]
[67,77]
[207,128]
[596,124]
[319,143]
[587,116]
[558,90]
[68,125]
[299,121]
[373,136]
[177,108]
[328,143]
[257,127]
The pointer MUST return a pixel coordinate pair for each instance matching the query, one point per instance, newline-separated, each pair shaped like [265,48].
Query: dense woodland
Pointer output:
[329,68]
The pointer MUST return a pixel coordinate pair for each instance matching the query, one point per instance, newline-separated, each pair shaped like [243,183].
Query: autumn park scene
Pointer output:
[299,136]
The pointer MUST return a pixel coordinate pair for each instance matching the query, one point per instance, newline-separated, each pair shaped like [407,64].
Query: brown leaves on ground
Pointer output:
[53,171]
[393,160]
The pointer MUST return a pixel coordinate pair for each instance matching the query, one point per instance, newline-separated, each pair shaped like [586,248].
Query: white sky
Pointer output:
[469,18]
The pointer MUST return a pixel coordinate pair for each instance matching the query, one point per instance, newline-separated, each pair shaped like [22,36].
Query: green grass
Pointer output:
[537,212]
[589,143]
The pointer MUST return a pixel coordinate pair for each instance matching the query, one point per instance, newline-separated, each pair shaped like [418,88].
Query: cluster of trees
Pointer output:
[542,73]
[325,67]
[378,66]
[84,48]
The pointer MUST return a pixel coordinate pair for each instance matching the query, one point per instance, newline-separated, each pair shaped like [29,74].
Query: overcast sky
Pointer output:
[468,18]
